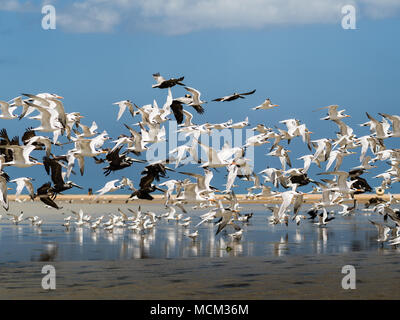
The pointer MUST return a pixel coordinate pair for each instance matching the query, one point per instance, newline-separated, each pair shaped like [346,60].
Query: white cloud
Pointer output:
[183,16]
[86,17]
[15,5]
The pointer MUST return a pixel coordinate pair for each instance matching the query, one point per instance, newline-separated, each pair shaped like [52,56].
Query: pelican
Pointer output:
[234,96]
[44,193]
[162,83]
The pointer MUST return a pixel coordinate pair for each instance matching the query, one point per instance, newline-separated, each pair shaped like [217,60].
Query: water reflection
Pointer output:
[24,242]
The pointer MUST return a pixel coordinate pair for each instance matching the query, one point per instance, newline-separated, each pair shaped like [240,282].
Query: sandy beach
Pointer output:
[158,199]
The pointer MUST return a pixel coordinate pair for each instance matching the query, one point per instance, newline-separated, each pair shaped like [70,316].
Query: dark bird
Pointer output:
[28,134]
[360,183]
[54,167]
[152,172]
[300,179]
[5,141]
[235,96]
[163,84]
[144,193]
[44,193]
[118,161]
[374,201]
[313,213]
[177,109]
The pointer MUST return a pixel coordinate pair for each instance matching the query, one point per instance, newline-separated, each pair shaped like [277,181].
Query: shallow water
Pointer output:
[51,242]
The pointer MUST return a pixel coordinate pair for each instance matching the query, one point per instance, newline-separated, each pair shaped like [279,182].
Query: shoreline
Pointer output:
[159,199]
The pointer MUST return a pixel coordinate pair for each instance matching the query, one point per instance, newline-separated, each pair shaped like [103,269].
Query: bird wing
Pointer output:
[286,201]
[177,110]
[247,93]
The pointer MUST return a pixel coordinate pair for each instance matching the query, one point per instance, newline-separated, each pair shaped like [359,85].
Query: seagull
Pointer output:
[108,187]
[193,235]
[85,148]
[346,210]
[266,105]
[88,132]
[122,107]
[7,111]
[240,125]
[333,113]
[3,190]
[236,235]
[214,157]
[283,156]
[38,142]
[49,121]
[395,124]
[192,100]
[323,218]
[16,219]
[234,96]
[21,184]
[21,157]
[383,231]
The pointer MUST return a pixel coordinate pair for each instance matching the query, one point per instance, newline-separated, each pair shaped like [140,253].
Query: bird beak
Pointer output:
[39,163]
[9,188]
[59,97]
[275,105]
[347,116]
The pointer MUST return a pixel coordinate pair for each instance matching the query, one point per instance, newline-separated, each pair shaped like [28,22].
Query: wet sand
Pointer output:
[297,277]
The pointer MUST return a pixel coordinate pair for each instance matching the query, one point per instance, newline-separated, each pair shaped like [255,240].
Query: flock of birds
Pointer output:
[88,142]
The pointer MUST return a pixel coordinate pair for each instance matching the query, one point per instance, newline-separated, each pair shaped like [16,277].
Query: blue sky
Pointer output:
[300,64]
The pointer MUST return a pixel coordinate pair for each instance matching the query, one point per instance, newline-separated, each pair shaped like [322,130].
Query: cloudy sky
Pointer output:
[295,52]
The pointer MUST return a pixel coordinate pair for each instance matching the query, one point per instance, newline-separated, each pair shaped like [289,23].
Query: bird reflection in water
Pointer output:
[281,248]
[49,253]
